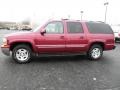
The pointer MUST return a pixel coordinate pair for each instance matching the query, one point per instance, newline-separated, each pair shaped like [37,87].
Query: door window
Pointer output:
[74,27]
[54,28]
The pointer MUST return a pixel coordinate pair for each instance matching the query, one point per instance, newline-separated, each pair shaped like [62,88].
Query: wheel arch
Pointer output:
[14,44]
[102,44]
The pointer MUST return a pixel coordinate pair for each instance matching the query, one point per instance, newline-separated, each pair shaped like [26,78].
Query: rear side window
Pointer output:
[74,27]
[99,28]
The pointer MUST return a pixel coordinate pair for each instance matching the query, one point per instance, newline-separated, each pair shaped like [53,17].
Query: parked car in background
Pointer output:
[13,28]
[26,27]
[117,36]
[60,37]
[7,28]
[116,30]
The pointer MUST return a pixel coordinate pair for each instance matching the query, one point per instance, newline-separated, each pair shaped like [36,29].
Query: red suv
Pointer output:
[60,37]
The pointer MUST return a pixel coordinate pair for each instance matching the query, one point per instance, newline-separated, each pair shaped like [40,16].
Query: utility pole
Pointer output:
[106,5]
[81,14]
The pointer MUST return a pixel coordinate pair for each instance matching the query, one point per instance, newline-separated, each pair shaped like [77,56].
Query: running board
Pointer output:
[60,54]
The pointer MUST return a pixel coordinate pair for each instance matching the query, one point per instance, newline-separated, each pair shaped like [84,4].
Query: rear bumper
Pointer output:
[109,47]
[5,50]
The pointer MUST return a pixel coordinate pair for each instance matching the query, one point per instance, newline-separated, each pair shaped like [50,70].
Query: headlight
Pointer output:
[4,41]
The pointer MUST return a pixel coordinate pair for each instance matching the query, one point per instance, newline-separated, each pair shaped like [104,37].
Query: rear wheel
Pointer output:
[22,54]
[95,52]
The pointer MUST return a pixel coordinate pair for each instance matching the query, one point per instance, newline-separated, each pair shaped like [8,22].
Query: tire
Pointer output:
[116,40]
[95,52]
[22,54]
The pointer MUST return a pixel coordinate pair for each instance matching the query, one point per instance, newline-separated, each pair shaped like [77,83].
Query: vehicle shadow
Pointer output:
[66,58]
[58,59]
[55,59]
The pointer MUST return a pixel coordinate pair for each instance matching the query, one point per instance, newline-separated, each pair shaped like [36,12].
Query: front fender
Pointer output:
[11,42]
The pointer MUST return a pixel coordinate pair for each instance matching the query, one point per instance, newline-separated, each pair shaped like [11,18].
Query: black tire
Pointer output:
[16,51]
[91,55]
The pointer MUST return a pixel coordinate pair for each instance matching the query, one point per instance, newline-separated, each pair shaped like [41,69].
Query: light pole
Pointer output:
[68,16]
[105,4]
[81,14]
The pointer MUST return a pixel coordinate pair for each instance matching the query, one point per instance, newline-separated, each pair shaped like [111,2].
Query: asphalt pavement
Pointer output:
[61,72]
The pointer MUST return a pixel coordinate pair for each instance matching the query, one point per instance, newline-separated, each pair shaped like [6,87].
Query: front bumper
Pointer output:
[5,50]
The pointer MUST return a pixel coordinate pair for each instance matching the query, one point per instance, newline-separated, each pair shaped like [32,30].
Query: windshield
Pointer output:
[36,29]
[39,26]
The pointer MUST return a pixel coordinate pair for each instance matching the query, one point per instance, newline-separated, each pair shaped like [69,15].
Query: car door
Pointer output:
[76,40]
[53,40]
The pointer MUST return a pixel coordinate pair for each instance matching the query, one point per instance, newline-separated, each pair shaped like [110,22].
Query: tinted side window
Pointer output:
[74,27]
[54,28]
[99,28]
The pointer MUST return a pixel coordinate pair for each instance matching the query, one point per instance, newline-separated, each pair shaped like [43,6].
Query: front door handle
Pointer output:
[81,37]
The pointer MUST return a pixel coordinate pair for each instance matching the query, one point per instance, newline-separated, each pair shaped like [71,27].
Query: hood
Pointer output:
[18,33]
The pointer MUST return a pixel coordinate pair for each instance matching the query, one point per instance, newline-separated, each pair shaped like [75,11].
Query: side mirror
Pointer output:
[43,31]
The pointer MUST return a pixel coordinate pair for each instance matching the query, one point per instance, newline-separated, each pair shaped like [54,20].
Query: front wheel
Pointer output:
[95,52]
[22,54]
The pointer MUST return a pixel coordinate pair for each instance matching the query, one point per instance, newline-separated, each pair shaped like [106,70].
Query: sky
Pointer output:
[43,10]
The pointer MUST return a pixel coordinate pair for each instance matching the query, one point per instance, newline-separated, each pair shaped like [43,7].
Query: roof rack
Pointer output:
[97,21]
[65,19]
[100,21]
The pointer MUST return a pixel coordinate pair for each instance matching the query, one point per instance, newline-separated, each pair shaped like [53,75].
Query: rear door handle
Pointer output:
[62,37]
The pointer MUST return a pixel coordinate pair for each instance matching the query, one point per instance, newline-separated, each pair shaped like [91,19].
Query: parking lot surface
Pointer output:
[61,72]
